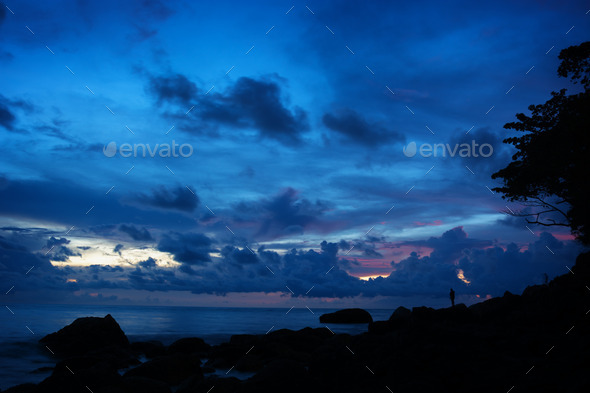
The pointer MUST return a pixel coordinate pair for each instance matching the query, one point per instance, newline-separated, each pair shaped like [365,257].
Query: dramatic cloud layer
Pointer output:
[472,267]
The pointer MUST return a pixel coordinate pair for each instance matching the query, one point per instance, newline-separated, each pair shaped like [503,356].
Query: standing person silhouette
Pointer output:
[452,296]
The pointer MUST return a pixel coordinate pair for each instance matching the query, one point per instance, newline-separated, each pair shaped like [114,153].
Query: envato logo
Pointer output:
[146,150]
[462,150]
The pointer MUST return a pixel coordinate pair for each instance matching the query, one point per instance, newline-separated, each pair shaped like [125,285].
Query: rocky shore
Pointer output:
[535,342]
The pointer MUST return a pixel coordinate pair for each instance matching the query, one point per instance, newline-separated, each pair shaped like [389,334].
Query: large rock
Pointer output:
[401,314]
[171,369]
[189,345]
[456,314]
[349,315]
[74,374]
[85,335]
[143,385]
[213,384]
[280,375]
[150,349]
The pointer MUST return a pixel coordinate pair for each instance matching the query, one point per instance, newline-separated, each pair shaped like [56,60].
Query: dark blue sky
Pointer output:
[274,138]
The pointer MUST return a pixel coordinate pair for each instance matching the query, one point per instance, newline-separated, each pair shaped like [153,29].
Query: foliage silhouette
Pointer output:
[549,171]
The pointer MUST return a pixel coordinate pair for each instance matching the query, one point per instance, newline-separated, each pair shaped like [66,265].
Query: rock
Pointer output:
[457,314]
[225,355]
[423,314]
[400,318]
[280,375]
[189,345]
[150,349]
[171,369]
[86,334]
[496,309]
[244,340]
[23,388]
[144,385]
[74,374]
[211,384]
[349,315]
[401,314]
[118,357]
[380,327]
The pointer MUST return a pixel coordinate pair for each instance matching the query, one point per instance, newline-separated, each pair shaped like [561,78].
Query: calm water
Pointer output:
[20,354]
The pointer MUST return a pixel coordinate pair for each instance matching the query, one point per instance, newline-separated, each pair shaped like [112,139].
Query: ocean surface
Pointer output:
[22,358]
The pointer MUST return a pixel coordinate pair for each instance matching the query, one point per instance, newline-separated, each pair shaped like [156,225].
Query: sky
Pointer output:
[271,153]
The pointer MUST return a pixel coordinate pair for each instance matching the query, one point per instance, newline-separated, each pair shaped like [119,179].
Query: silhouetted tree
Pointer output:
[550,171]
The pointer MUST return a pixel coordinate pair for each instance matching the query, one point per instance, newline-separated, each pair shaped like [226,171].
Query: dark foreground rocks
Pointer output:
[349,315]
[537,342]
[85,335]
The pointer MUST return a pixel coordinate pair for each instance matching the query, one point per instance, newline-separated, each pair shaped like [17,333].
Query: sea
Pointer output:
[23,359]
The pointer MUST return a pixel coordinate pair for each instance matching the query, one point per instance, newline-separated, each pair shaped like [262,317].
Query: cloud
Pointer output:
[238,257]
[58,250]
[43,280]
[177,198]
[118,248]
[136,233]
[148,263]
[354,128]
[188,248]
[255,104]
[475,267]
[7,118]
[449,247]
[59,201]
[173,88]
[470,266]
[282,215]
[480,141]
[368,248]
[6,56]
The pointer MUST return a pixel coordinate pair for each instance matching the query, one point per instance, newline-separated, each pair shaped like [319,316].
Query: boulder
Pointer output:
[171,369]
[144,385]
[280,375]
[73,374]
[23,388]
[189,345]
[211,384]
[150,349]
[457,314]
[401,314]
[85,335]
[421,315]
[496,309]
[380,327]
[349,315]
